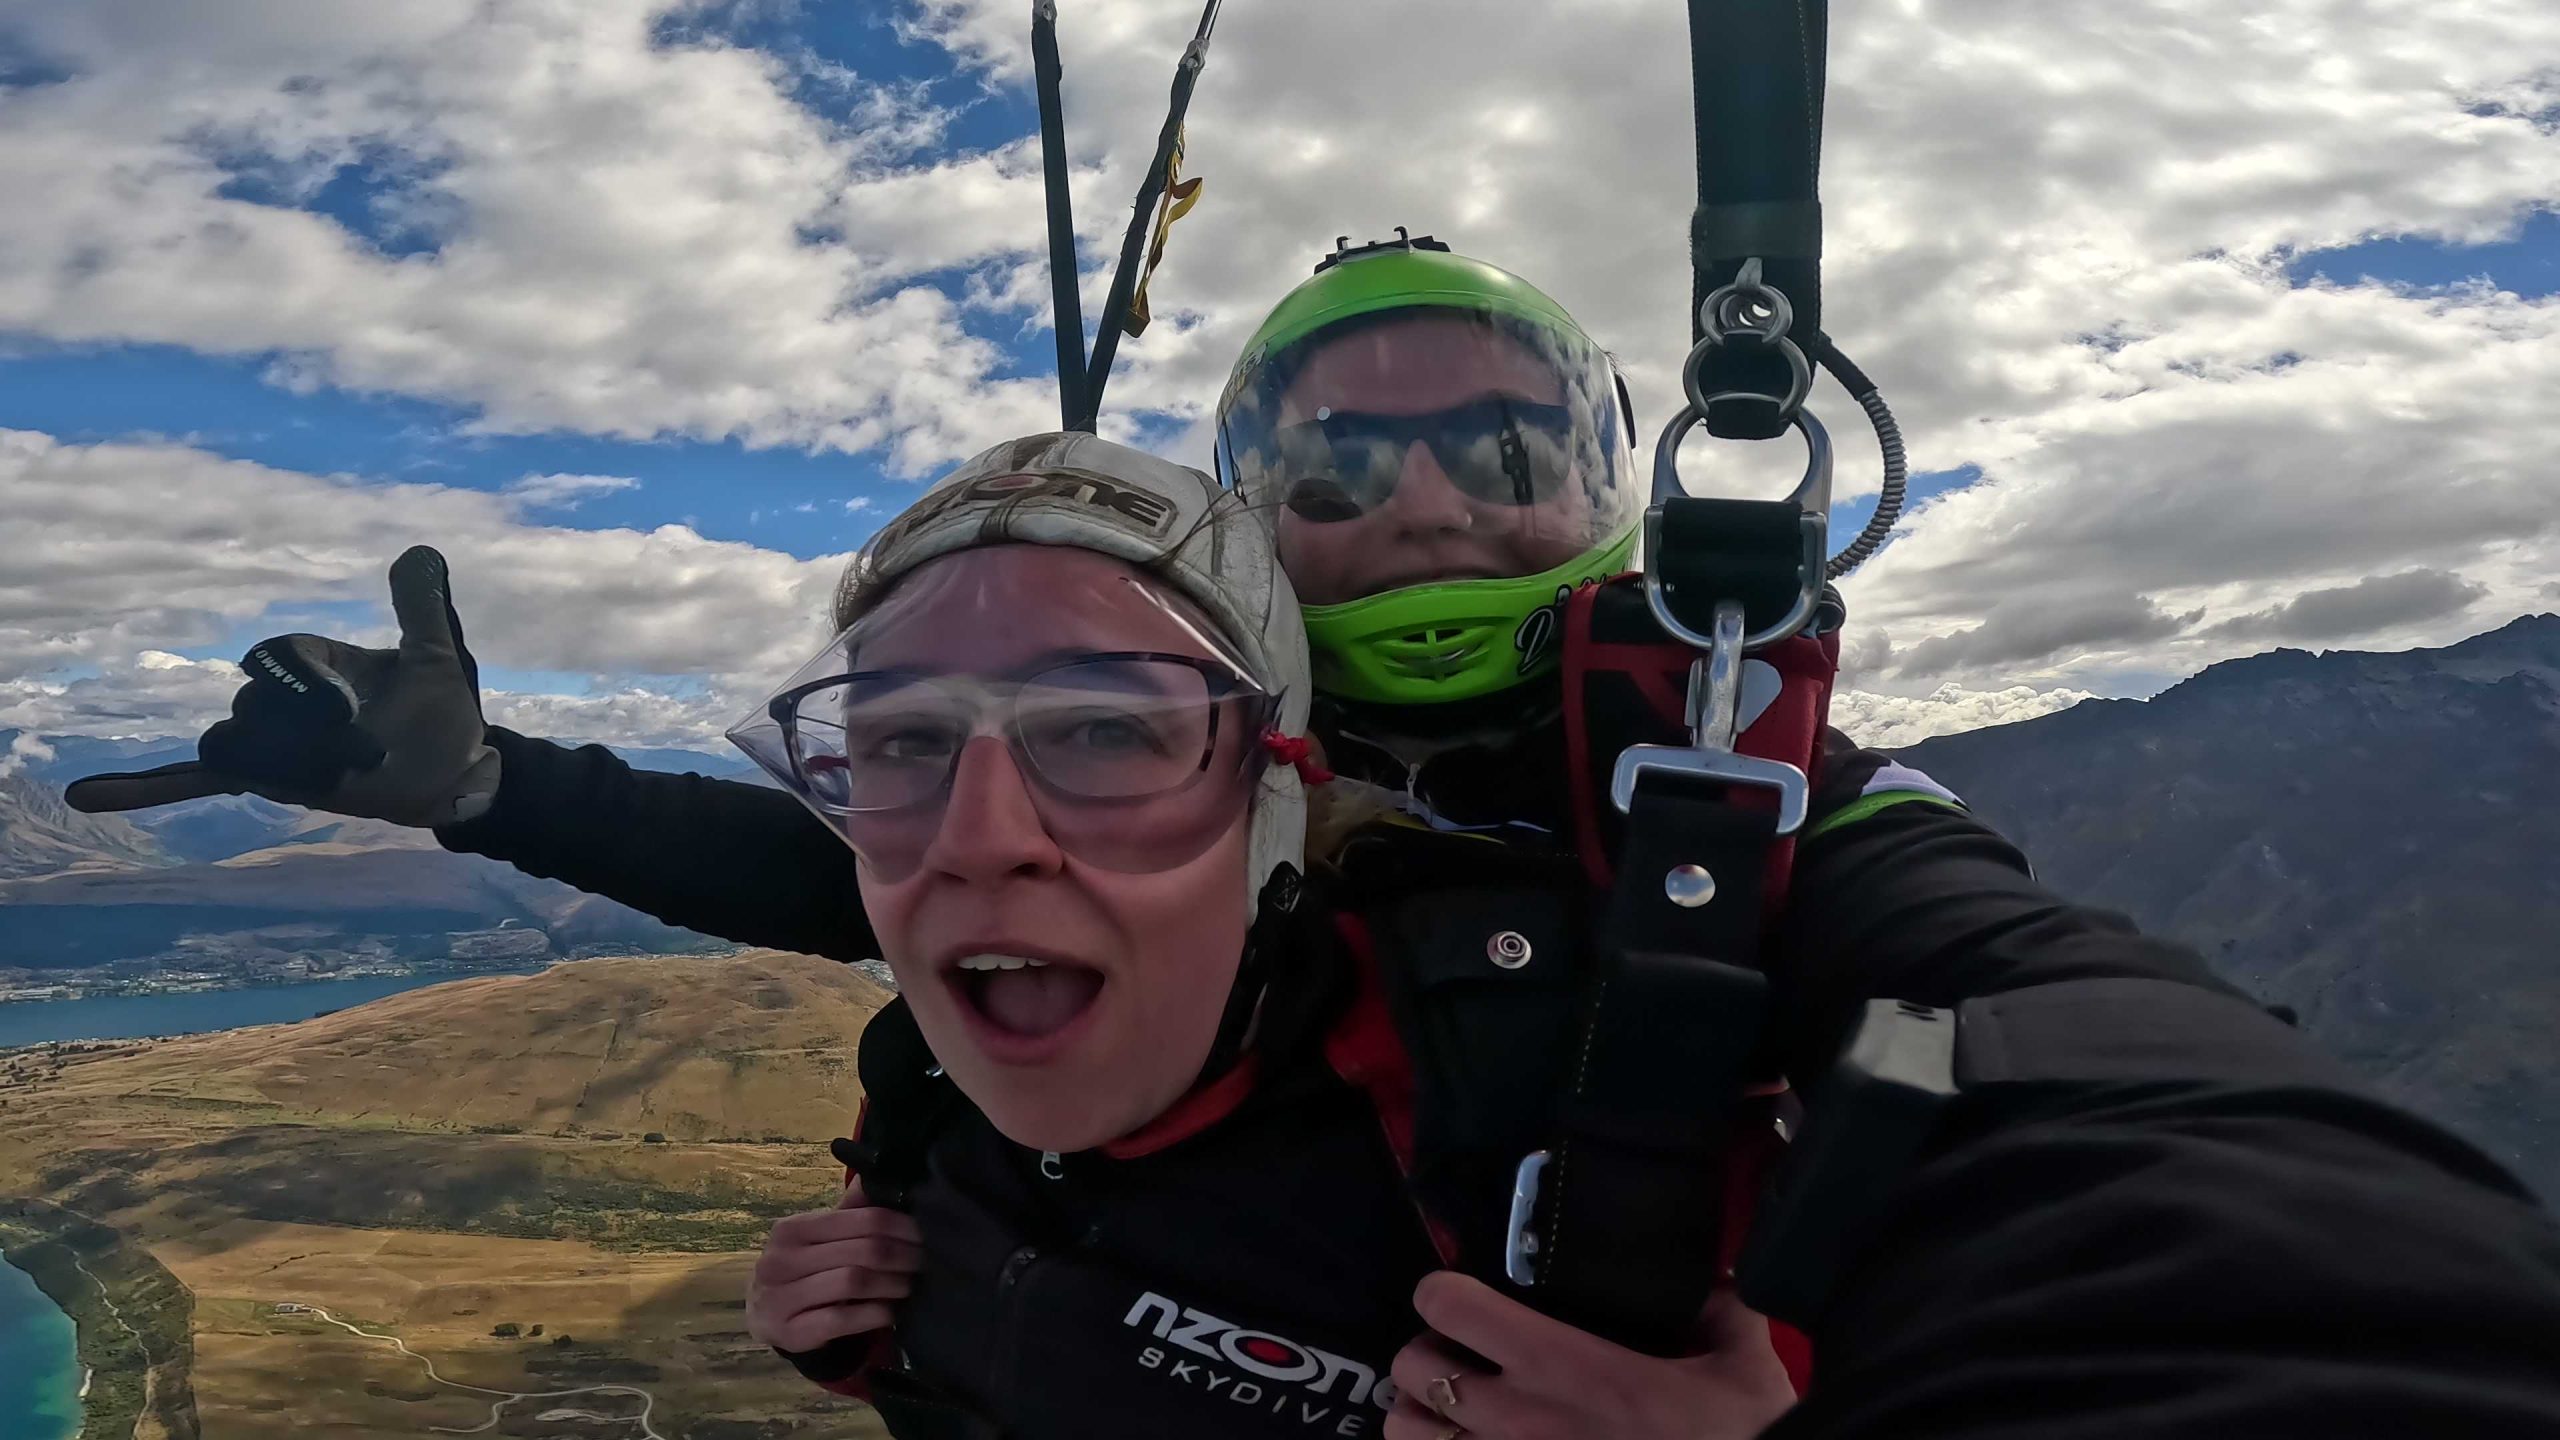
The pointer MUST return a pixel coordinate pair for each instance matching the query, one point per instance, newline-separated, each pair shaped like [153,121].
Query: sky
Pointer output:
[2212,328]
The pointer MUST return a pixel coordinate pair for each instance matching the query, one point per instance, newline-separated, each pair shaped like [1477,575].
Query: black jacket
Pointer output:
[2254,1245]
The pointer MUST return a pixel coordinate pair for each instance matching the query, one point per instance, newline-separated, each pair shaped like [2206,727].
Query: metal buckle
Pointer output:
[1519,1241]
[1811,497]
[1715,702]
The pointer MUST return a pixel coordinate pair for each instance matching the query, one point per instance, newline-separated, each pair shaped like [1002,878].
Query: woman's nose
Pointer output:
[990,827]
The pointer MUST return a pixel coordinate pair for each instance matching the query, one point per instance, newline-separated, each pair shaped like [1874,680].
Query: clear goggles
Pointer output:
[1132,760]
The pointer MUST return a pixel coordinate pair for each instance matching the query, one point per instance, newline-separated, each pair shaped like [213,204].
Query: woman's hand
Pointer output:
[1556,1381]
[832,1273]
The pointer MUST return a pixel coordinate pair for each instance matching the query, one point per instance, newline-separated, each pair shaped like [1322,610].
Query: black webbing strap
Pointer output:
[1066,307]
[1124,280]
[1757,75]
[1635,1193]
[907,1104]
[1715,548]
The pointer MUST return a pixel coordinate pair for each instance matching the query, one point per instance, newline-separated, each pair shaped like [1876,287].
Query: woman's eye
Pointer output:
[903,744]
[1104,733]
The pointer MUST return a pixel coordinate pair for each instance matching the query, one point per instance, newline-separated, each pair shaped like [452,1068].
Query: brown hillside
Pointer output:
[746,1047]
[462,1162]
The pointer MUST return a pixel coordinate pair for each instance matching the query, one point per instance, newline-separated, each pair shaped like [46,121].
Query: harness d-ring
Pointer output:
[1811,497]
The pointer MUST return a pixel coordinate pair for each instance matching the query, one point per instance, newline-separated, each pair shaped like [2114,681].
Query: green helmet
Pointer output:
[1443,455]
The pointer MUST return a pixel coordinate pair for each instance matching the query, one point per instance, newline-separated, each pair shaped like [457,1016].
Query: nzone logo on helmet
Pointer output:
[1266,1356]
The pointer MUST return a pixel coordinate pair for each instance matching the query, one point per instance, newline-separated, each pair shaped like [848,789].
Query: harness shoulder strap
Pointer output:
[1601,1086]
[906,1103]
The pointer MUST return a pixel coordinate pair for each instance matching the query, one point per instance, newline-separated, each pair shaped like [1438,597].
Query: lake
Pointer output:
[39,1376]
[131,1017]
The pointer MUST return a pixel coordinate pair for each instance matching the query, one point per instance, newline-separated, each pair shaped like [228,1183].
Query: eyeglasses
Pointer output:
[1495,450]
[1107,728]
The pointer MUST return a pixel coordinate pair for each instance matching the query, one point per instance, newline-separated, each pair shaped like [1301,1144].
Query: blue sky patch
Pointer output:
[1848,517]
[2528,265]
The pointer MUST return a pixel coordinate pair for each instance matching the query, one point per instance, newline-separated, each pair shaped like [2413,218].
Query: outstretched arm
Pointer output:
[2225,1235]
[726,858]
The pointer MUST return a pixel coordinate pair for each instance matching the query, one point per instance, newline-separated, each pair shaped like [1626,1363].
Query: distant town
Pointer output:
[295,955]
[239,961]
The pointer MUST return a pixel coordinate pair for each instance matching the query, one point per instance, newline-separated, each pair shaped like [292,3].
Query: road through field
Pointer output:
[497,1408]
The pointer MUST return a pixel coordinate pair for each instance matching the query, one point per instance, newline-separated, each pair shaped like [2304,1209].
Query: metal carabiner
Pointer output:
[1811,497]
[1714,711]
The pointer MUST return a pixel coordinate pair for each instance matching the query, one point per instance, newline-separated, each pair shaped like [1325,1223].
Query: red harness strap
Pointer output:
[1657,668]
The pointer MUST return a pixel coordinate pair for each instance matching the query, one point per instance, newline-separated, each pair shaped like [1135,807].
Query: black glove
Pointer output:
[387,734]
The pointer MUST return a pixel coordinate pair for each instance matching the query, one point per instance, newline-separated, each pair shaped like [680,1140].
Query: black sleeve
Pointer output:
[2264,1249]
[733,860]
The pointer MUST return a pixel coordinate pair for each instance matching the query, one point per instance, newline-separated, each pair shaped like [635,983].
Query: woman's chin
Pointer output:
[1039,1122]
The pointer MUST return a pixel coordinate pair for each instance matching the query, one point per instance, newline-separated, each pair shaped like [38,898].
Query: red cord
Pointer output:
[1297,752]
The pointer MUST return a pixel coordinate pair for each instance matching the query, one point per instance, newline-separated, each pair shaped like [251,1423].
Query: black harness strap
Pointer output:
[1757,68]
[1066,313]
[1635,1190]
[908,1103]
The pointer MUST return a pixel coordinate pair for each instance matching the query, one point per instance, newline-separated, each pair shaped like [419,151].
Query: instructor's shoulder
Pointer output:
[1856,785]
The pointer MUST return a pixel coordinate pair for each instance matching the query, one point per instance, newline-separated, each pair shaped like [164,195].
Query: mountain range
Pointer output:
[2366,838]
[237,879]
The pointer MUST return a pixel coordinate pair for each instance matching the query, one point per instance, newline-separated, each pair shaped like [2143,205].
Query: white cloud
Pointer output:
[2058,235]
[1895,720]
[627,236]
[567,492]
[147,696]
[857,504]
[2059,232]
[623,717]
[117,553]
[23,750]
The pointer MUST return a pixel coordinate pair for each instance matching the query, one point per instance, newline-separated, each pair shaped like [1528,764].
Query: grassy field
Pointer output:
[593,1152]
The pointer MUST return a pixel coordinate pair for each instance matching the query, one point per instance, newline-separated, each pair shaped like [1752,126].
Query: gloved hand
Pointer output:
[386,734]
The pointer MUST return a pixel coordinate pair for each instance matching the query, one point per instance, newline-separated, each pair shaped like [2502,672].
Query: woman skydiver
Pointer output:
[1154,1202]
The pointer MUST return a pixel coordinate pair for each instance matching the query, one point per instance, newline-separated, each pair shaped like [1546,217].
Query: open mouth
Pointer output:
[1024,998]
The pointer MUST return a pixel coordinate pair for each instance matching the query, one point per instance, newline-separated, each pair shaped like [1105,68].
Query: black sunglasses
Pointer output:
[1496,450]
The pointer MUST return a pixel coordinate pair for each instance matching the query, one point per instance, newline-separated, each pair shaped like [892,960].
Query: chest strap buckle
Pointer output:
[1520,1237]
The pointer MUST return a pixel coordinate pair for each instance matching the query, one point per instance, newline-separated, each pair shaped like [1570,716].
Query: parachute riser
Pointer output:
[1081,380]
[1066,311]
[1124,280]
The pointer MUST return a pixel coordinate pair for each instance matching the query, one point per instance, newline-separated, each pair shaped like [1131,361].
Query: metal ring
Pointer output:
[1813,492]
[1443,1391]
[1721,313]
[1508,949]
[1799,378]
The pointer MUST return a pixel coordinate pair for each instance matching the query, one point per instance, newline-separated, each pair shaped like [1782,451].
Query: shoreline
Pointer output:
[40,1385]
[529,967]
[132,1325]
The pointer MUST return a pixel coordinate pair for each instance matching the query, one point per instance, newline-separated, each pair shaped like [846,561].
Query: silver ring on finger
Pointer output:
[1443,1391]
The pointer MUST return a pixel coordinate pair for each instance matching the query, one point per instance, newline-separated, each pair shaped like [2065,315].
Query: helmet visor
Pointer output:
[1428,444]
[1129,728]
